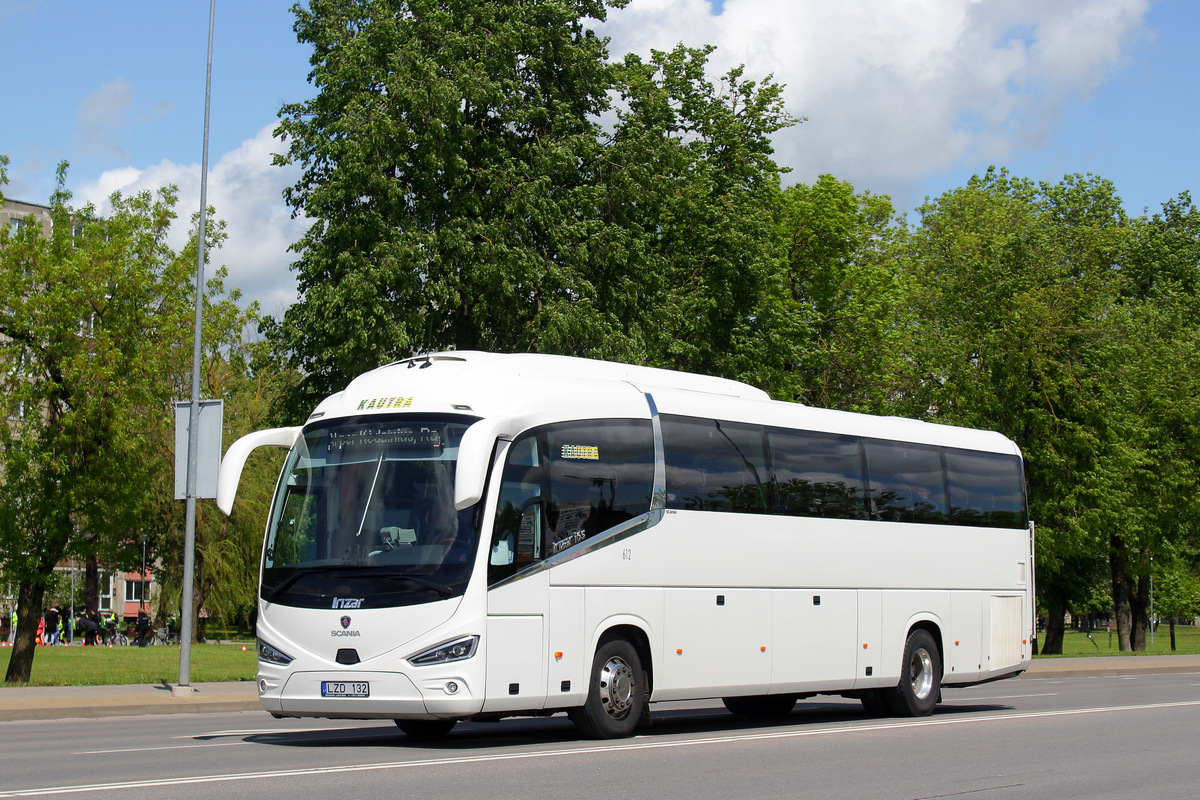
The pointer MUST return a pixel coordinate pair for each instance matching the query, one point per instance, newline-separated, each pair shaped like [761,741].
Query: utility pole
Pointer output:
[184,688]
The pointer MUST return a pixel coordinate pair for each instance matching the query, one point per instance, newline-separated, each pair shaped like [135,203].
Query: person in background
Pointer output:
[12,627]
[143,628]
[68,623]
[90,625]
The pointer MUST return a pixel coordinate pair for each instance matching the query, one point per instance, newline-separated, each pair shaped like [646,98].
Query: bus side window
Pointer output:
[516,531]
[817,474]
[600,475]
[986,489]
[714,465]
[907,482]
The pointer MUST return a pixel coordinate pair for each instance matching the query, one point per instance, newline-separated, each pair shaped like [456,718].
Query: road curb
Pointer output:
[82,702]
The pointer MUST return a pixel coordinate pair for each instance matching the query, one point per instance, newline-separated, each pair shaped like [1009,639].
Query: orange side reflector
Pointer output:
[679,652]
[558,655]
[864,645]
[956,642]
[762,649]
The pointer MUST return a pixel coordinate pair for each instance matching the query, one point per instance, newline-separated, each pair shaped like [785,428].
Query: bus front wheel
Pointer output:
[920,677]
[616,696]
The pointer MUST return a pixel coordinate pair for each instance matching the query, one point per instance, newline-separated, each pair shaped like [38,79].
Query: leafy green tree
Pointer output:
[1155,386]
[1016,285]
[466,195]
[844,276]
[449,159]
[1176,585]
[96,314]
[227,549]
[692,178]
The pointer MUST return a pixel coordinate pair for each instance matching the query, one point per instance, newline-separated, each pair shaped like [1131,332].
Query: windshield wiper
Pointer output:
[303,572]
[444,591]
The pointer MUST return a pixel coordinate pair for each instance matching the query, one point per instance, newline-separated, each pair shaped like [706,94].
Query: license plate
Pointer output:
[345,689]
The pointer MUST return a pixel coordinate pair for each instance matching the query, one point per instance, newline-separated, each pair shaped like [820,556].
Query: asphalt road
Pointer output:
[1051,737]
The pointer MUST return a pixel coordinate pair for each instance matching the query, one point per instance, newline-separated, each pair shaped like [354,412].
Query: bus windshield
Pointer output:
[366,510]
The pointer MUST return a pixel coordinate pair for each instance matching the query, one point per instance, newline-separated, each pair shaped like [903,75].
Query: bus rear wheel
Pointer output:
[426,730]
[616,696]
[763,706]
[920,677]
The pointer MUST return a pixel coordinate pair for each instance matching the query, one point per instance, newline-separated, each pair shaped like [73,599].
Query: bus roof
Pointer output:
[543,388]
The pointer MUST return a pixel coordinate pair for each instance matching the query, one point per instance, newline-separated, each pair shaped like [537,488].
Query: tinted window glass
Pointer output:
[517,532]
[817,474]
[986,489]
[365,509]
[714,466]
[906,482]
[600,476]
[565,483]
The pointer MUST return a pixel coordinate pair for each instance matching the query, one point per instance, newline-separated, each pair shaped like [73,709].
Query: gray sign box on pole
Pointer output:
[208,447]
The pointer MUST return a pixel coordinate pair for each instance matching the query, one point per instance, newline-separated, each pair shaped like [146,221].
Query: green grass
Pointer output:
[1076,643]
[96,666]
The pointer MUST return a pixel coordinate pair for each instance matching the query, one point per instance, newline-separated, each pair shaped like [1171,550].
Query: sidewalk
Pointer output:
[65,702]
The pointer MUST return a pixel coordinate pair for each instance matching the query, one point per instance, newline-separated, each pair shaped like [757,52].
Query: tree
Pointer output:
[1155,385]
[691,177]
[843,275]
[96,315]
[1017,282]
[227,549]
[449,161]
[466,195]
[1176,586]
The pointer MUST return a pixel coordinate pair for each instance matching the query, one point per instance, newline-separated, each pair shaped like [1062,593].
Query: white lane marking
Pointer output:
[224,734]
[954,700]
[638,743]
[256,731]
[156,749]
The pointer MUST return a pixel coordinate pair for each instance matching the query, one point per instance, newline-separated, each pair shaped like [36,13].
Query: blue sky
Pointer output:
[906,99]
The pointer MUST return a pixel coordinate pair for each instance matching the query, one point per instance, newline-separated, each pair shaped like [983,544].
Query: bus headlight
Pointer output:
[456,650]
[271,655]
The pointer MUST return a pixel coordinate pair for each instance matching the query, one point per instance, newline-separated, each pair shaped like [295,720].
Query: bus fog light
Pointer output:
[262,687]
[451,687]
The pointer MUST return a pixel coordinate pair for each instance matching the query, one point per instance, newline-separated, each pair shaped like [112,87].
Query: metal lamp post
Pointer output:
[184,688]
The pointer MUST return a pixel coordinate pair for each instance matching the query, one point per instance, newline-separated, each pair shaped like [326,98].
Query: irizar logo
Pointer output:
[347,602]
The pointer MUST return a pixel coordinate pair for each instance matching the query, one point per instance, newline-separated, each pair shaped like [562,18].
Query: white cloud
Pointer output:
[246,191]
[896,91]
[99,116]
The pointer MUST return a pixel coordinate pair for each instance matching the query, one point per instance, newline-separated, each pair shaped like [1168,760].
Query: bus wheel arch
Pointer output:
[619,682]
[920,686]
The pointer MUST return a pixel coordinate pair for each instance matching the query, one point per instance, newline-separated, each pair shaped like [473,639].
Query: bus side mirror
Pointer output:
[474,457]
[235,458]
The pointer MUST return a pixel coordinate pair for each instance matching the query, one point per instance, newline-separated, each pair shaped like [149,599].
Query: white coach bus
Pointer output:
[470,536]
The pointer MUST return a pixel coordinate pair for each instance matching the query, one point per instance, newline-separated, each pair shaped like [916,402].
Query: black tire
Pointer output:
[920,677]
[426,730]
[763,706]
[874,702]
[616,695]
